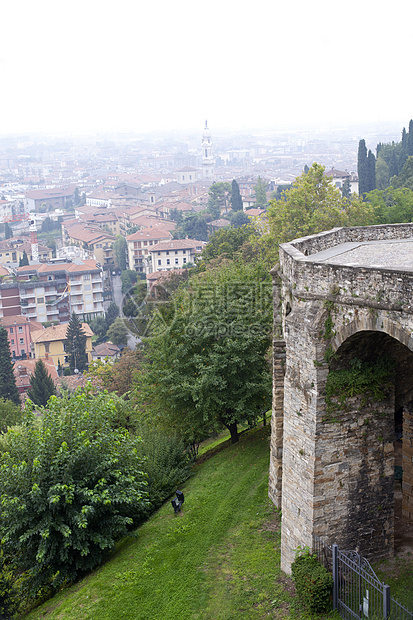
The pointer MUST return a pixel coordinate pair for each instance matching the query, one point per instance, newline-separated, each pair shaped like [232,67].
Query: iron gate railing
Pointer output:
[357,591]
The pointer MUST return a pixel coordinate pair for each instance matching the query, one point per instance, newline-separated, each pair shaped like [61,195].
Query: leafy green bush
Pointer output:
[10,414]
[167,463]
[70,487]
[313,582]
[9,599]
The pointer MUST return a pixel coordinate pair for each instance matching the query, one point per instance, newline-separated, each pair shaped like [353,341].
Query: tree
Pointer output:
[312,205]
[118,376]
[41,385]
[24,260]
[76,196]
[118,332]
[405,178]
[260,190]
[111,313]
[238,218]
[225,242]
[195,226]
[362,168]
[76,344]
[8,232]
[71,484]
[129,277]
[219,197]
[236,199]
[10,414]
[346,189]
[120,247]
[206,361]
[8,389]
[393,205]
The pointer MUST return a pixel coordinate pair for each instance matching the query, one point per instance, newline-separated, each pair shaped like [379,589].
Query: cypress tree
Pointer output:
[76,344]
[41,385]
[8,389]
[24,261]
[8,232]
[410,139]
[236,200]
[371,165]
[362,168]
[393,165]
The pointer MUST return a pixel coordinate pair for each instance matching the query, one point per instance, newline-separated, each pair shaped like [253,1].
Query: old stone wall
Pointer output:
[332,473]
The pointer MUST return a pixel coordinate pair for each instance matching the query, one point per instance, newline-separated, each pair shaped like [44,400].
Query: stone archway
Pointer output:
[332,472]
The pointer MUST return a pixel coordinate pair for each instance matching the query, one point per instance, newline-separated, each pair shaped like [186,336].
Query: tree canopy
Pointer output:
[71,485]
[41,385]
[206,361]
[236,199]
[312,205]
[76,344]
[8,389]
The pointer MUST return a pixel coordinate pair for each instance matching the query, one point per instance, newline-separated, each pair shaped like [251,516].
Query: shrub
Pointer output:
[10,414]
[70,487]
[313,582]
[167,463]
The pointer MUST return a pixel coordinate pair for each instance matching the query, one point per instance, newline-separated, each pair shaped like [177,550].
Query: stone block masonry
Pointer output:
[340,296]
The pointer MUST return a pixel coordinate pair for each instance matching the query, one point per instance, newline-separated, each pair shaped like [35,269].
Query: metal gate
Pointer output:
[357,591]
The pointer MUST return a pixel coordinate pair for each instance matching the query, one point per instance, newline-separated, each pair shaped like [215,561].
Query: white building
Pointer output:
[174,254]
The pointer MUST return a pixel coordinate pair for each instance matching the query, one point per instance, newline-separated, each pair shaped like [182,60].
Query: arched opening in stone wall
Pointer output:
[373,377]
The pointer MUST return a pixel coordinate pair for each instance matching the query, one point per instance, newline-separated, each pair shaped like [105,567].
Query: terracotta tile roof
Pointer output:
[163,274]
[17,319]
[177,244]
[150,233]
[23,370]
[106,349]
[4,271]
[57,332]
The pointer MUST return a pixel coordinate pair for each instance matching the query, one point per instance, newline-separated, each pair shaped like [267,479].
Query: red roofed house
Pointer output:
[139,244]
[175,254]
[18,334]
[24,369]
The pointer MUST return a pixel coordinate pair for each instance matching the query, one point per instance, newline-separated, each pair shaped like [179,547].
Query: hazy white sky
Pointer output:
[89,65]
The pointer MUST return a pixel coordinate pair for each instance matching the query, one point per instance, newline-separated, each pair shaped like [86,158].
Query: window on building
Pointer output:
[176,261]
[176,251]
[11,330]
[183,251]
[167,252]
[168,262]
[12,340]
[86,276]
[20,329]
[184,261]
[40,300]
[159,262]
[21,340]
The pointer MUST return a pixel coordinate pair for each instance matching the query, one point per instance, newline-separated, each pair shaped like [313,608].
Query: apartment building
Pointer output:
[52,292]
[139,244]
[91,238]
[174,254]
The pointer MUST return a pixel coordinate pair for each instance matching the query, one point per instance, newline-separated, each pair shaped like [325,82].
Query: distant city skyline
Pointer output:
[87,67]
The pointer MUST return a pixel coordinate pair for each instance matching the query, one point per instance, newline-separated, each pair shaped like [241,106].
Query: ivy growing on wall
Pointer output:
[370,379]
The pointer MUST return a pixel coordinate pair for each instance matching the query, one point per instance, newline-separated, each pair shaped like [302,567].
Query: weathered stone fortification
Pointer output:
[332,468]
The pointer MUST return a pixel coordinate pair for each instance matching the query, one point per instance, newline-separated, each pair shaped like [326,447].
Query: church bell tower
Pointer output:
[208,162]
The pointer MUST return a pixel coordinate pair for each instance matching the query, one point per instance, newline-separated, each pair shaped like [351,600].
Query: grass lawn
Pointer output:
[219,559]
